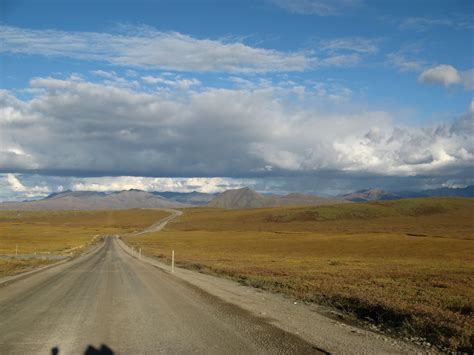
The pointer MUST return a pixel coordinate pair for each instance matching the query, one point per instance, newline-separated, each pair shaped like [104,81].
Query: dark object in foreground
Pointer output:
[103,350]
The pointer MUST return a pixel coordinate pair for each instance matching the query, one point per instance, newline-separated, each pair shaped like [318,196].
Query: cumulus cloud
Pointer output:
[148,48]
[81,128]
[404,151]
[448,75]
[442,74]
[19,188]
[316,7]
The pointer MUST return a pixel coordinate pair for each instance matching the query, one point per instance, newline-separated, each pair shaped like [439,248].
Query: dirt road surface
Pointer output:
[109,298]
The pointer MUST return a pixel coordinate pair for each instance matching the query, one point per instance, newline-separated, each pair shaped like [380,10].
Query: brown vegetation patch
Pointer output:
[59,232]
[356,257]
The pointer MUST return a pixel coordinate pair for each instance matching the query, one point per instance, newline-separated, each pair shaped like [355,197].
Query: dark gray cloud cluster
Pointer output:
[80,128]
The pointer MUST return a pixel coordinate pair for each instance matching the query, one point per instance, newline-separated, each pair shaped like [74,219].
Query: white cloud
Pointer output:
[18,187]
[119,183]
[111,78]
[404,64]
[341,60]
[333,92]
[343,52]
[15,184]
[180,84]
[145,47]
[424,23]
[105,74]
[352,44]
[149,48]
[467,78]
[79,127]
[442,74]
[316,7]
[447,75]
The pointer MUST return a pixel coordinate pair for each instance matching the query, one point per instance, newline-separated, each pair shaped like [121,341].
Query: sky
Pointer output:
[314,96]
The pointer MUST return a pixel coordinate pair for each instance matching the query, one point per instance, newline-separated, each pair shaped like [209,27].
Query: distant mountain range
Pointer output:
[239,198]
[380,195]
[88,200]
[247,198]
[441,192]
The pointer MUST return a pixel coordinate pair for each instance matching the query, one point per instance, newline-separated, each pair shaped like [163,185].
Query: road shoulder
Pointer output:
[92,249]
[304,320]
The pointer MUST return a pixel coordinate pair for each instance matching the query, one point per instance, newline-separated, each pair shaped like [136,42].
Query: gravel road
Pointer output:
[111,300]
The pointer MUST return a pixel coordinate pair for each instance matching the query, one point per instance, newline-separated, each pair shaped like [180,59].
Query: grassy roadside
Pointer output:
[50,234]
[406,265]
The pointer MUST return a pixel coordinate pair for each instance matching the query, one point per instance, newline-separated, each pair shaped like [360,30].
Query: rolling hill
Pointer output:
[247,198]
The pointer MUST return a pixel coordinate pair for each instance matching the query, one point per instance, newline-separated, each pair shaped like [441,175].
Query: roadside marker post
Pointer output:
[140,253]
[172,261]
[16,252]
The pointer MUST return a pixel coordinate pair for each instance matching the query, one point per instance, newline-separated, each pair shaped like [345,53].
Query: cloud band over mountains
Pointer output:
[77,127]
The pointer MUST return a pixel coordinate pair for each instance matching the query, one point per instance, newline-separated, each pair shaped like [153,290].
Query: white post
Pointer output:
[16,253]
[139,253]
[172,261]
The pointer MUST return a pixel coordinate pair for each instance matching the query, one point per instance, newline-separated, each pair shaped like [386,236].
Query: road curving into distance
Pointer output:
[109,298]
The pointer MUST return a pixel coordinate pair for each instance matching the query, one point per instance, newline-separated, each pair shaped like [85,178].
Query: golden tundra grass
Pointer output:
[58,232]
[407,265]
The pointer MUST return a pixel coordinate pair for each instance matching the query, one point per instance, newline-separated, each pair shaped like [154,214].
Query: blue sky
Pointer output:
[304,95]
